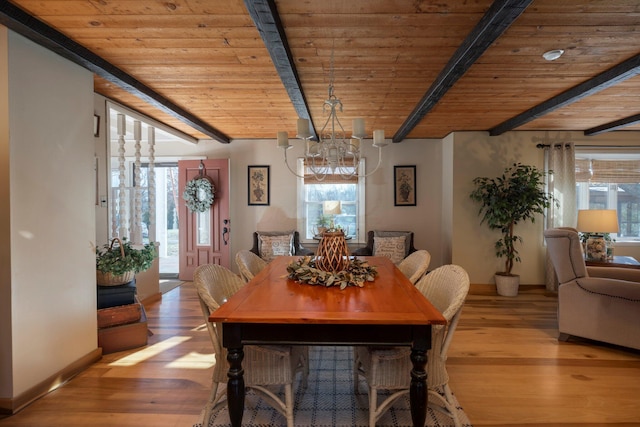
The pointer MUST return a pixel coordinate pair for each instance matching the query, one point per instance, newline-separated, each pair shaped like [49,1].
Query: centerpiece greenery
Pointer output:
[515,196]
[118,264]
[357,273]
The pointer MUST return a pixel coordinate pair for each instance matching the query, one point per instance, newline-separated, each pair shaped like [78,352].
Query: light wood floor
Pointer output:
[506,368]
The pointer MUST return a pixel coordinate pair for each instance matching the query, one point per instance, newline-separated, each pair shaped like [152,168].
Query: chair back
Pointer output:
[215,285]
[565,251]
[446,288]
[249,264]
[415,265]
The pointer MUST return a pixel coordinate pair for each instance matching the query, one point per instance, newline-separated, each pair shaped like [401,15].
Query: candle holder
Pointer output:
[333,254]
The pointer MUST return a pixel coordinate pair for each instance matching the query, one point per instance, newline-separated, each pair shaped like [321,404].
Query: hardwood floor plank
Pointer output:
[506,368]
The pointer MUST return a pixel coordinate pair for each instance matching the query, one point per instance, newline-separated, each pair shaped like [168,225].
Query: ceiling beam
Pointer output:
[28,26]
[493,24]
[615,125]
[266,19]
[604,80]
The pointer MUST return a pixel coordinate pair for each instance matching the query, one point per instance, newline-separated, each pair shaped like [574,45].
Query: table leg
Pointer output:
[235,386]
[418,389]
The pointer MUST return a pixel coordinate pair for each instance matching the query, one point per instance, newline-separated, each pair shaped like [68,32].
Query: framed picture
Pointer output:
[259,191]
[404,178]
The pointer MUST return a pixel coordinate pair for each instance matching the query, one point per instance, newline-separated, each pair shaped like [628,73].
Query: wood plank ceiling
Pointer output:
[417,69]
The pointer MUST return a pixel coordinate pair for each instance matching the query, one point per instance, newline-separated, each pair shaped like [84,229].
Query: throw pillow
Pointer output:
[406,234]
[272,246]
[390,247]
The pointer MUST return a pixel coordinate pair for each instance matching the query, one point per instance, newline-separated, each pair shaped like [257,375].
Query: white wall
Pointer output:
[52,224]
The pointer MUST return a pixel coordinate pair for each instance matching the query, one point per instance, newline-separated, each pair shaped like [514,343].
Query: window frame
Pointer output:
[360,234]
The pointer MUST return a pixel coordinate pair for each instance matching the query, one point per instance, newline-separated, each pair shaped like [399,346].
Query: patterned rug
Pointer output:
[329,400]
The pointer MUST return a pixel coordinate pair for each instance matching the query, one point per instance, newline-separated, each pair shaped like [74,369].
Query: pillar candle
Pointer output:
[303,129]
[378,138]
[358,128]
[283,140]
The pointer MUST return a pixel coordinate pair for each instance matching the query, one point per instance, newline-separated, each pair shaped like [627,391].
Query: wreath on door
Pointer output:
[198,192]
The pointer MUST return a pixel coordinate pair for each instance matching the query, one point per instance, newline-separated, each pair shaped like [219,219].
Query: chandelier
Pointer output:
[333,153]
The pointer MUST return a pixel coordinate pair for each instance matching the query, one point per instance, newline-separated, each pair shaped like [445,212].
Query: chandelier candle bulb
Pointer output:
[283,139]
[303,129]
[358,128]
[378,138]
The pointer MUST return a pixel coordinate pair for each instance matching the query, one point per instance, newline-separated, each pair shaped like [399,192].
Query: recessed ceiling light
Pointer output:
[552,55]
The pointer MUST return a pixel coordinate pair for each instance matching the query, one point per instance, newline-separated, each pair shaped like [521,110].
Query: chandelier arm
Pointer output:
[286,162]
[377,166]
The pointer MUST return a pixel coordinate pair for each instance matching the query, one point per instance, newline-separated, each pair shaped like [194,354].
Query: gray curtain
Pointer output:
[560,160]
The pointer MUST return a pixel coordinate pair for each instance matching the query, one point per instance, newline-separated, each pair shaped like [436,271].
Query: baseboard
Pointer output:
[10,406]
[152,298]
[490,288]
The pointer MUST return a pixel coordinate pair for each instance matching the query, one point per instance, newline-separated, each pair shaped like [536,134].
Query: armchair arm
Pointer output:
[362,252]
[610,287]
[619,273]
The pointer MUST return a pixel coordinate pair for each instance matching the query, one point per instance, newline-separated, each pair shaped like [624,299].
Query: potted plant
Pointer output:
[517,195]
[118,264]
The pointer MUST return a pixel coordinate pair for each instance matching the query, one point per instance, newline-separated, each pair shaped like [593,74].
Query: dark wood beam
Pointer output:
[615,125]
[28,26]
[604,80]
[493,24]
[265,17]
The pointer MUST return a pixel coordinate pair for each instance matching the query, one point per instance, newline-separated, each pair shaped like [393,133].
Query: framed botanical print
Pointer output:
[259,191]
[404,178]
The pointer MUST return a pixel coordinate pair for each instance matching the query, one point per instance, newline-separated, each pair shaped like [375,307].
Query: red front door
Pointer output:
[204,236]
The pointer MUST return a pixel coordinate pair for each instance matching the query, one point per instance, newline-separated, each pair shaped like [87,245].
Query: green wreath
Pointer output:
[198,194]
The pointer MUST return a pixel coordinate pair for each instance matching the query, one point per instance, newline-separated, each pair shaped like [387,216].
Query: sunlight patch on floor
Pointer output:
[150,351]
[193,360]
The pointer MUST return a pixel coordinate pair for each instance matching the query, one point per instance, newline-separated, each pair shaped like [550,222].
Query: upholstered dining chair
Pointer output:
[249,264]
[386,368]
[415,265]
[263,366]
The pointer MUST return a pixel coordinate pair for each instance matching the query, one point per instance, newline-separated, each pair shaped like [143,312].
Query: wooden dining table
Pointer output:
[272,308]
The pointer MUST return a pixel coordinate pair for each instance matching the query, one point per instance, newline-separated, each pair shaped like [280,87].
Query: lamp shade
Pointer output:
[598,221]
[331,207]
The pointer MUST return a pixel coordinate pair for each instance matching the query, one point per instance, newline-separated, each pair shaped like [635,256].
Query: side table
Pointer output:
[617,261]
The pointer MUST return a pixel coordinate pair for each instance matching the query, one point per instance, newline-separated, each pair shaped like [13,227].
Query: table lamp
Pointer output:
[596,222]
[331,208]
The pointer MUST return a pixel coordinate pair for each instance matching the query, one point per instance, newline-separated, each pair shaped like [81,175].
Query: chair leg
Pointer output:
[373,401]
[211,403]
[356,370]
[288,398]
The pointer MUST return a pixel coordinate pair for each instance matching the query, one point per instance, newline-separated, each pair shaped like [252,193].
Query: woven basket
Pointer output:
[109,279]
[333,253]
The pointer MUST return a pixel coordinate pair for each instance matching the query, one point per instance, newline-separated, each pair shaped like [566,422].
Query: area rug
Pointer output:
[329,400]
[167,285]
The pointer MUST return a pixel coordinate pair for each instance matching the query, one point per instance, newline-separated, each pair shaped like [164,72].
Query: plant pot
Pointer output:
[507,286]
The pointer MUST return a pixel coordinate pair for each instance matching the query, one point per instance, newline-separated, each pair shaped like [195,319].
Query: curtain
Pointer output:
[560,163]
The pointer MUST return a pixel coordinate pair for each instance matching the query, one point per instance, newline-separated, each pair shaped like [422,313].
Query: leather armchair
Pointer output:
[598,303]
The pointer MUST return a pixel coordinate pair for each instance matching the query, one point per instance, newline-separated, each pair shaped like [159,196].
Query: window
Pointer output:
[312,193]
[611,180]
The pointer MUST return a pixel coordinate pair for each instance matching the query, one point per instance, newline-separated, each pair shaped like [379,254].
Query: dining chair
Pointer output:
[415,265]
[249,264]
[263,366]
[386,368]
